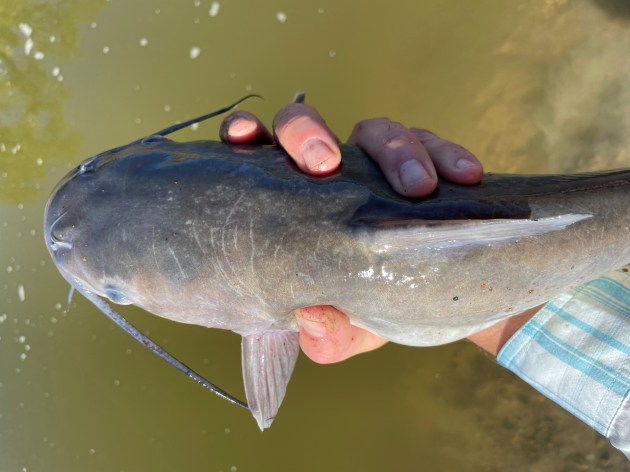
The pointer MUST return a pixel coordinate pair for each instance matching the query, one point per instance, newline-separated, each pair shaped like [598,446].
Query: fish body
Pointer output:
[236,237]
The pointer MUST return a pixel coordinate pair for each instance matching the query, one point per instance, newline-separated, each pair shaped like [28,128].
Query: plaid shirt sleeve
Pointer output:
[576,352]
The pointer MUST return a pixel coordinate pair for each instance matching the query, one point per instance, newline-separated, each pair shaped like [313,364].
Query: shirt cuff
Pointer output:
[576,352]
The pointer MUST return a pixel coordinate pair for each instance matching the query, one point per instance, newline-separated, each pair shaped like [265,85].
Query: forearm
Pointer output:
[492,339]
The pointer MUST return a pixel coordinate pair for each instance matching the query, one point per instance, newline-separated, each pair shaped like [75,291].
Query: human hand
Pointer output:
[411,160]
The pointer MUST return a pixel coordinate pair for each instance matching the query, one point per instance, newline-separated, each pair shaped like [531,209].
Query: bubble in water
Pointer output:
[214,9]
[194,52]
[281,16]
[143,42]
[21,293]
[105,49]
[26,29]
[28,46]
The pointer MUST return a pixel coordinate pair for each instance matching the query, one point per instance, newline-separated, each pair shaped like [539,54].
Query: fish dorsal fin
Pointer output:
[399,236]
[199,119]
[268,362]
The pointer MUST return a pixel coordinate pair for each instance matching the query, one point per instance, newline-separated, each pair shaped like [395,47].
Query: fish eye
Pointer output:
[116,296]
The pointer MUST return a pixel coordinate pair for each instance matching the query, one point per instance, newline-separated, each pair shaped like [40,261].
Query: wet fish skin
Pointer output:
[237,238]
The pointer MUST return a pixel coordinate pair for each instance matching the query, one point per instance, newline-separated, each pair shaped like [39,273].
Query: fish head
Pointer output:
[73,215]
[83,220]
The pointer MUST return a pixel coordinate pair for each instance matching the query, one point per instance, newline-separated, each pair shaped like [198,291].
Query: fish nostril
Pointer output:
[56,236]
[57,240]
[153,139]
[59,237]
[88,166]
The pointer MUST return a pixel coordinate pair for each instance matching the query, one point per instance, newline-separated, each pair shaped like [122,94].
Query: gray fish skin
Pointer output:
[237,238]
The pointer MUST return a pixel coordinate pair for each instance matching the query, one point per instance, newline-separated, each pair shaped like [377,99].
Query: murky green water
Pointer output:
[532,85]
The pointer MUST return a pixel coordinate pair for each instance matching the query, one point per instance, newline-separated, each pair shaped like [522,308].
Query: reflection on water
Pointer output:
[528,87]
[33,126]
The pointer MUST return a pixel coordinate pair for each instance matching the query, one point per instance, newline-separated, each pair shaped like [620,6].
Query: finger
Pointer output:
[399,153]
[303,133]
[326,335]
[242,127]
[452,161]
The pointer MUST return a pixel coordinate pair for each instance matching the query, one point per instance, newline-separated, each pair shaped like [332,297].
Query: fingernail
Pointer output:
[313,328]
[465,164]
[412,173]
[315,152]
[241,127]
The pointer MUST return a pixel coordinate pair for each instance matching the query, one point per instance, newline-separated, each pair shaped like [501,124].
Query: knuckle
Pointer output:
[283,118]
[395,135]
[290,114]
[396,127]
[369,124]
[424,135]
[322,351]
[240,115]
[454,150]
[329,354]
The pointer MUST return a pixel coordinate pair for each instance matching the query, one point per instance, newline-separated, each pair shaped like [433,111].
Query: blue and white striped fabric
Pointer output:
[576,351]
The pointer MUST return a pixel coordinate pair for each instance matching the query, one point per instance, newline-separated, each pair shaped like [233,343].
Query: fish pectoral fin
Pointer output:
[464,233]
[268,361]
